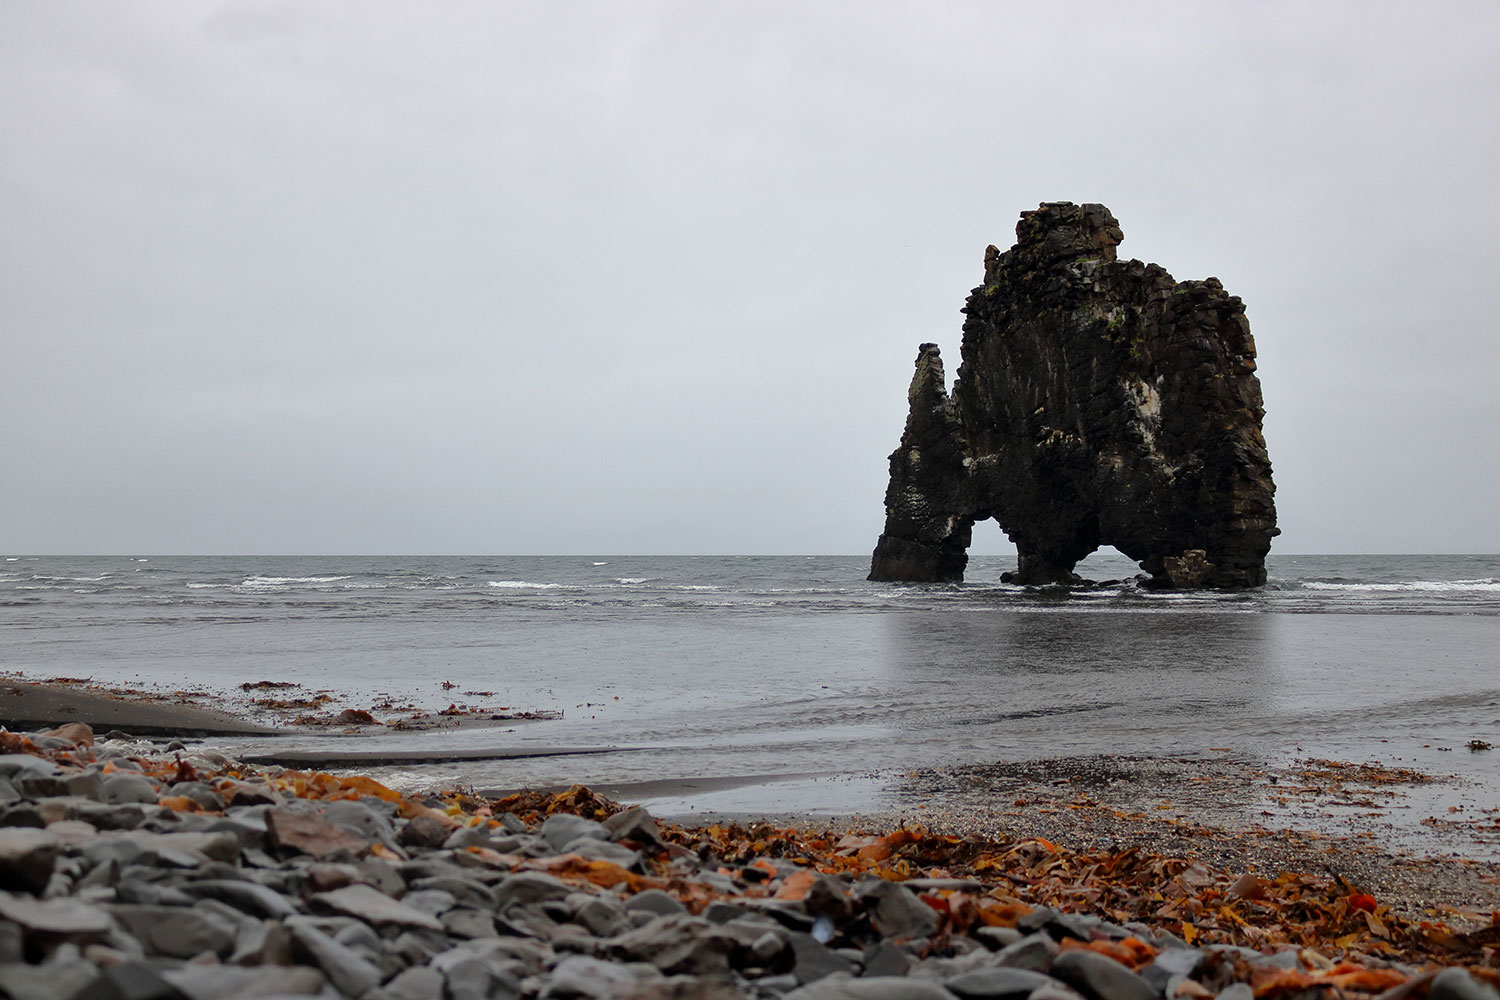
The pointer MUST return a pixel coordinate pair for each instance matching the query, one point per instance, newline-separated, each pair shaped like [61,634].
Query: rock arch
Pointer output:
[1099,402]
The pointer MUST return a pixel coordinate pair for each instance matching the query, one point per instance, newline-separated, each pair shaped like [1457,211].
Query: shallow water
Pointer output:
[793,665]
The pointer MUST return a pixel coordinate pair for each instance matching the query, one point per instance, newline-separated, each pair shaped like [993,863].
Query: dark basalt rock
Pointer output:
[1100,402]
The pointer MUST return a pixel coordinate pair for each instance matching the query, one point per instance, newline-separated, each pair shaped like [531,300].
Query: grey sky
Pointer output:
[650,277]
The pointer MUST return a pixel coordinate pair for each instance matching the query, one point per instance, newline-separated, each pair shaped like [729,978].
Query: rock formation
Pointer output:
[1099,402]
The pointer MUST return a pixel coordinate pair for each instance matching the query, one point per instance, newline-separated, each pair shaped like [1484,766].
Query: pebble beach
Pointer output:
[147,868]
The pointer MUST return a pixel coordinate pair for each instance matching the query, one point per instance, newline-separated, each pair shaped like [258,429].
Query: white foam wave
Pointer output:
[525,585]
[1483,584]
[290,580]
[634,579]
[606,563]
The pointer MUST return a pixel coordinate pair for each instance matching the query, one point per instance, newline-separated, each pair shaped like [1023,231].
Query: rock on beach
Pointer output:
[205,879]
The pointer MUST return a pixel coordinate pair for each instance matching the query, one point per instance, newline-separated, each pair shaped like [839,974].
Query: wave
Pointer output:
[634,579]
[525,585]
[1482,584]
[286,581]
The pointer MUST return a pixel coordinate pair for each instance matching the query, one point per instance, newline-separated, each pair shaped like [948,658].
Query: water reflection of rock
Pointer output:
[1013,684]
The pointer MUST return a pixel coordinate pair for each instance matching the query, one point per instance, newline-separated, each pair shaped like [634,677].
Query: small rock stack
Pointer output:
[125,875]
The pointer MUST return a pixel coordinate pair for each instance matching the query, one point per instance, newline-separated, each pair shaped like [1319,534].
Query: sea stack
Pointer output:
[1099,402]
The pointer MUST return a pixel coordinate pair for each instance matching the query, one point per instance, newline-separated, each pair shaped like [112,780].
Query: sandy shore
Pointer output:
[26,705]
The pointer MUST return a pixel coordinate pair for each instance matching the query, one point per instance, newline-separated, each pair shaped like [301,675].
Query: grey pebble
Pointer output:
[1099,977]
[1457,984]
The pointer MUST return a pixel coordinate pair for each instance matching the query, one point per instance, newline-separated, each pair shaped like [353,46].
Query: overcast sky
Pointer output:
[466,277]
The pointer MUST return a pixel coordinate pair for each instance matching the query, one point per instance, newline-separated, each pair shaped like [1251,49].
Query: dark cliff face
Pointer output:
[1099,402]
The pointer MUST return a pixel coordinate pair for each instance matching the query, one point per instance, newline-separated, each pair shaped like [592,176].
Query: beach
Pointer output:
[753,906]
[1329,824]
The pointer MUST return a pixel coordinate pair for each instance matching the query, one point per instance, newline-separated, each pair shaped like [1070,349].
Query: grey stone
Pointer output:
[200,795]
[1457,984]
[654,901]
[212,982]
[27,857]
[18,767]
[254,899]
[423,831]
[376,907]
[996,983]
[886,959]
[469,836]
[898,913]
[12,942]
[250,831]
[468,922]
[579,977]
[634,824]
[1058,924]
[130,980]
[54,916]
[677,944]
[112,817]
[603,850]
[602,916]
[1034,952]
[264,942]
[21,814]
[433,902]
[523,888]
[785,912]
[998,938]
[349,973]
[54,981]
[357,817]
[814,960]
[466,891]
[88,785]
[197,846]
[360,937]
[842,987]
[175,931]
[131,887]
[1055,991]
[119,788]
[420,983]
[1099,977]
[561,829]
[467,979]
[121,850]
[1286,960]
[1170,964]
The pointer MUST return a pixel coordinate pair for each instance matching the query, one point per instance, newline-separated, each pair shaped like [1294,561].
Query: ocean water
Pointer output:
[724,666]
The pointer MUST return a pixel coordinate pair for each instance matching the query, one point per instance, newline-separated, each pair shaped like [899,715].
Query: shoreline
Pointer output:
[336,885]
[1191,806]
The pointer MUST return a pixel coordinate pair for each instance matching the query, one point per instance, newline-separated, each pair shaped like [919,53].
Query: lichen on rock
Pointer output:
[1099,402]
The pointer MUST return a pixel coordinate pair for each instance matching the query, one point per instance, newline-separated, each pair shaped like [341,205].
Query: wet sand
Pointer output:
[27,705]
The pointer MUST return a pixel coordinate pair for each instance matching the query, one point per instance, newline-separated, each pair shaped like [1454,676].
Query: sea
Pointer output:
[792,680]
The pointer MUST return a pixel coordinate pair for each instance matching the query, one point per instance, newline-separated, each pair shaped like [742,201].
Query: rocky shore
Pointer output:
[133,870]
